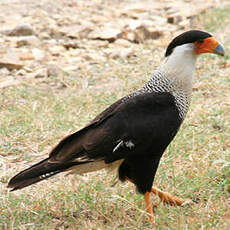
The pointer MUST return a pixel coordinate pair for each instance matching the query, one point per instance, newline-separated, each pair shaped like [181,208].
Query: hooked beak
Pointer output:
[219,50]
[209,45]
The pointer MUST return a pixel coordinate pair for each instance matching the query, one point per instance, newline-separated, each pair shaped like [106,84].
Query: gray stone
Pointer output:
[10,64]
[28,41]
[22,29]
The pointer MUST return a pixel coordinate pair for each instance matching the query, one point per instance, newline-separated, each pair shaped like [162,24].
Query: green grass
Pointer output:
[34,117]
[216,19]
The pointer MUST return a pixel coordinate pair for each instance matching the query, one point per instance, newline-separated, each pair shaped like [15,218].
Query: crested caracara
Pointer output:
[133,133]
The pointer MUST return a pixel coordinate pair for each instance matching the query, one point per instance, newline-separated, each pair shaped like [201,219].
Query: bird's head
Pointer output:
[180,58]
[199,41]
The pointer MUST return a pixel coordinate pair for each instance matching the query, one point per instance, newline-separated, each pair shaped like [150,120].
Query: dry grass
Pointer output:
[196,165]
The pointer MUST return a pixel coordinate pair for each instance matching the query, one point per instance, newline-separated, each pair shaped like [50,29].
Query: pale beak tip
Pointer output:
[219,50]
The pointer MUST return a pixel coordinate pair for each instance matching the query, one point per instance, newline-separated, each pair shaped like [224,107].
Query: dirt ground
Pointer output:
[43,38]
[56,56]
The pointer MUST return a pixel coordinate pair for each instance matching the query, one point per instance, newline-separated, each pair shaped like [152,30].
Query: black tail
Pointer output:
[38,172]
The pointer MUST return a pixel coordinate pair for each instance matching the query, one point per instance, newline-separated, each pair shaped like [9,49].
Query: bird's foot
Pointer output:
[149,207]
[167,198]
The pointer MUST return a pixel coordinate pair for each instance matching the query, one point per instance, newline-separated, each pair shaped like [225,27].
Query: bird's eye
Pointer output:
[200,41]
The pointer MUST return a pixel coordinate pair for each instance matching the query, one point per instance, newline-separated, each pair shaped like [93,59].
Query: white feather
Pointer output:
[121,143]
[129,144]
[93,166]
[179,67]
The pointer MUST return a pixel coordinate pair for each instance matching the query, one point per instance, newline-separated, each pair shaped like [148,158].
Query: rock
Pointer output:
[26,56]
[71,44]
[129,35]
[44,36]
[143,33]
[54,70]
[137,7]
[121,53]
[22,29]
[94,57]
[56,50]
[40,73]
[28,41]
[4,72]
[174,19]
[184,24]
[140,30]
[158,20]
[170,10]
[96,44]
[133,24]
[123,42]
[38,54]
[20,73]
[134,10]
[10,64]
[60,85]
[105,33]
[76,31]
[51,42]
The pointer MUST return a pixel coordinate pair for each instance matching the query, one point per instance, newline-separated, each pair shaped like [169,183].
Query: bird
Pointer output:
[132,134]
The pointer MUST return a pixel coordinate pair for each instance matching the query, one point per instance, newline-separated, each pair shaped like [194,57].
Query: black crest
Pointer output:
[187,37]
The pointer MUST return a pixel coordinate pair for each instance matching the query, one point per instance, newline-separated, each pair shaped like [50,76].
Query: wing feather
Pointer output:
[127,128]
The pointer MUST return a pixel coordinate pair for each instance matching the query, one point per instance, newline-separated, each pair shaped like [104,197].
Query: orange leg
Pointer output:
[149,207]
[167,198]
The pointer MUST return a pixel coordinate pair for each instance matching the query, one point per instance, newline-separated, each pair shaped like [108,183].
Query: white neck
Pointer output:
[179,67]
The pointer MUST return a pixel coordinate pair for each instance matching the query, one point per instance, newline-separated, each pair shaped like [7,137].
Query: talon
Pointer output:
[167,198]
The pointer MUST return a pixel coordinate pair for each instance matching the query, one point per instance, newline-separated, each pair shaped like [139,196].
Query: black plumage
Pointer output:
[135,130]
[138,119]
[186,37]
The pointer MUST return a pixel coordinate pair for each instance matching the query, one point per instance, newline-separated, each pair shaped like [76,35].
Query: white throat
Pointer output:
[179,67]
[174,75]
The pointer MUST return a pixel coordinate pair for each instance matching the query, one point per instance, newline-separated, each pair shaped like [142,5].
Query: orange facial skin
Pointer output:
[207,45]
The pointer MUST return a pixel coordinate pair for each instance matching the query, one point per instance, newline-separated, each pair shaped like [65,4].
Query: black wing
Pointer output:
[140,125]
[135,128]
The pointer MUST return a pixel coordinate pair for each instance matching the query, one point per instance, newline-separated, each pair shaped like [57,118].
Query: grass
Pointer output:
[216,18]
[34,117]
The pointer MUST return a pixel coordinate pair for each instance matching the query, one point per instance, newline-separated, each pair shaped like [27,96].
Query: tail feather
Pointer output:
[38,172]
